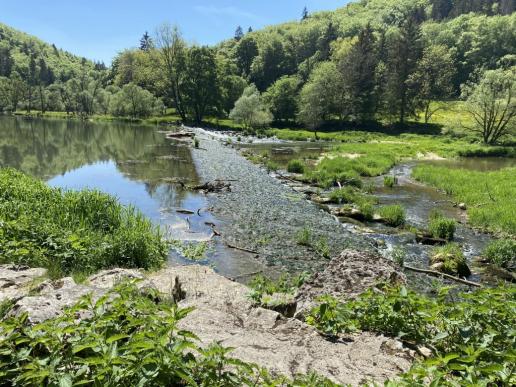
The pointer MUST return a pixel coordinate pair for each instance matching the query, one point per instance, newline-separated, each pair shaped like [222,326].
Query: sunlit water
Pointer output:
[135,163]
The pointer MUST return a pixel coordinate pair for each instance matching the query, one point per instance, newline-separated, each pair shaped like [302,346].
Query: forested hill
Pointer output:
[479,32]
[27,56]
[371,61]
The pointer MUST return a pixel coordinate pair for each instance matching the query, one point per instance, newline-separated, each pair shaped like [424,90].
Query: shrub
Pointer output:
[69,232]
[322,247]
[389,181]
[450,259]
[126,338]
[502,253]
[296,166]
[262,286]
[471,335]
[393,215]
[271,166]
[441,227]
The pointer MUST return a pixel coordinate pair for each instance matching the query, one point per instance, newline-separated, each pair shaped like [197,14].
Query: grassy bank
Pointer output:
[373,154]
[489,196]
[72,232]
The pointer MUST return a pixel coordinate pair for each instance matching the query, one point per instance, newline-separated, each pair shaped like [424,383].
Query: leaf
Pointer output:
[65,381]
[114,338]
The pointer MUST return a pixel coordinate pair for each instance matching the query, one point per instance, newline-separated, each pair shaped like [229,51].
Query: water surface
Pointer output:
[135,163]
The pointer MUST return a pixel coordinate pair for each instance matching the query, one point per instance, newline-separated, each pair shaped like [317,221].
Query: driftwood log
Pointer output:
[439,274]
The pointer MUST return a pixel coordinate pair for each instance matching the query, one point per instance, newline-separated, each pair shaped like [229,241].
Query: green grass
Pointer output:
[72,232]
[489,196]
[295,166]
[363,154]
[389,181]
[441,227]
[450,259]
[502,253]
[393,215]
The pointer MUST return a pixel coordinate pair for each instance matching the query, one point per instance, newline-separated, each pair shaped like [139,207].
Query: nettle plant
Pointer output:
[128,337]
[471,335]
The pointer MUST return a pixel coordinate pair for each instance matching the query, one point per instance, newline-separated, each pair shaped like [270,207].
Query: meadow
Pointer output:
[489,196]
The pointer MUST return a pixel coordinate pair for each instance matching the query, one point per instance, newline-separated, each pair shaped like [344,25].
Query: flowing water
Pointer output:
[135,163]
[143,168]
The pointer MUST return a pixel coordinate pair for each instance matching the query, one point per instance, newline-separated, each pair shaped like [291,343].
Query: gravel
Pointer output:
[263,215]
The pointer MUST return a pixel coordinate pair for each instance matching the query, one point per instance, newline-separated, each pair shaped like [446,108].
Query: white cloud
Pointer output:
[225,11]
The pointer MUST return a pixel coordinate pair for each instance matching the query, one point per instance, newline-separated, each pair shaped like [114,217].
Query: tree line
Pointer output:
[369,61]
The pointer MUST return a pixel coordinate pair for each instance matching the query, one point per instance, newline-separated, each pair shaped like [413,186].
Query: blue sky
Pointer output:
[98,29]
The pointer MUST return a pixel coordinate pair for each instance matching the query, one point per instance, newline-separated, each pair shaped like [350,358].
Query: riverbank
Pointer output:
[222,312]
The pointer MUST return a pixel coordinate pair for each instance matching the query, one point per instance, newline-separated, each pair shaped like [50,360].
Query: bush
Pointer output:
[126,339]
[393,215]
[70,232]
[450,259]
[441,227]
[502,253]
[296,166]
[471,335]
[263,286]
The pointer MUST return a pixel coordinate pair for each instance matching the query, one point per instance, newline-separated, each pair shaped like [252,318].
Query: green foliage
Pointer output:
[491,104]
[393,215]
[471,335]
[262,286]
[69,231]
[250,110]
[450,259]
[135,102]
[502,253]
[125,338]
[398,255]
[322,247]
[489,196]
[389,181]
[296,166]
[195,251]
[441,227]
[282,98]
[304,237]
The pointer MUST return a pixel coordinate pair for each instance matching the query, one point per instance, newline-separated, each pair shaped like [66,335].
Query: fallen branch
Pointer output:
[241,248]
[439,274]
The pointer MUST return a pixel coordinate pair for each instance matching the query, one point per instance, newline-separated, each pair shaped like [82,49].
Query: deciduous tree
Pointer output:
[491,103]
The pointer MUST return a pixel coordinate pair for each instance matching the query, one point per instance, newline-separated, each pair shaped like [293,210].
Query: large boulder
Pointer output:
[16,280]
[347,276]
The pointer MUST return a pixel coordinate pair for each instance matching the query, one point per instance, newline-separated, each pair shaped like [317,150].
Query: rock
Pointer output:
[321,200]
[424,351]
[281,302]
[54,296]
[348,212]
[462,206]
[16,280]
[347,276]
[427,239]
[224,313]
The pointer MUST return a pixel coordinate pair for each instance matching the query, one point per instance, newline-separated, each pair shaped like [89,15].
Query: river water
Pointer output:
[143,168]
[135,163]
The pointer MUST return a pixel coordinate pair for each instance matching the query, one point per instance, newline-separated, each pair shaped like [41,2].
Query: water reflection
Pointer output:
[132,162]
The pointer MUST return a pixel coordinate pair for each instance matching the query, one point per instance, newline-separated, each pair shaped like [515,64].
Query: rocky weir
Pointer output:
[261,216]
[224,313]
